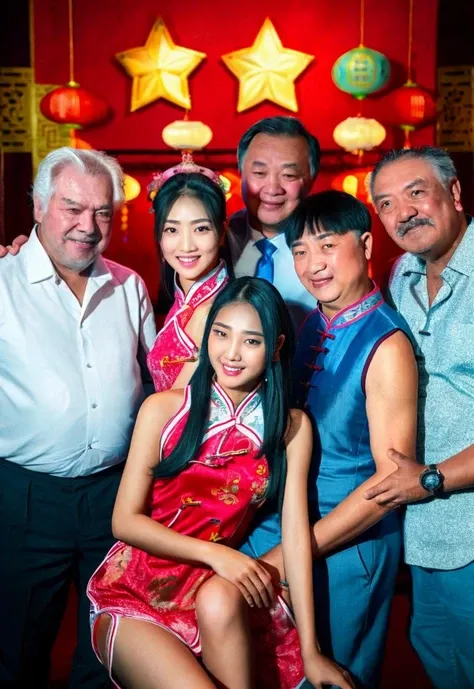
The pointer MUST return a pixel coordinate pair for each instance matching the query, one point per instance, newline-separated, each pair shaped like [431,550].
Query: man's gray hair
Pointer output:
[85,161]
[281,125]
[439,159]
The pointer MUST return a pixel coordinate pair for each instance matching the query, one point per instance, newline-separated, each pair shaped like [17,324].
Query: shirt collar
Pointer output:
[39,266]
[100,273]
[461,260]
[368,303]
[278,240]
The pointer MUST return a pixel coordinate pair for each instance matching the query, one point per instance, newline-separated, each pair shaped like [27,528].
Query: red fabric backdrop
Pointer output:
[325,29]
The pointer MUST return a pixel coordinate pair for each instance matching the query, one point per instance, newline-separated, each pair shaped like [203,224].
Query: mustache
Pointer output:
[93,238]
[405,227]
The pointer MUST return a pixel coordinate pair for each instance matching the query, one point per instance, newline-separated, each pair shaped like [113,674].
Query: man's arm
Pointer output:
[392,391]
[403,486]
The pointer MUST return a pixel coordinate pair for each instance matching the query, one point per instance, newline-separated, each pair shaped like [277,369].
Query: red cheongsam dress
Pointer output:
[173,347]
[214,498]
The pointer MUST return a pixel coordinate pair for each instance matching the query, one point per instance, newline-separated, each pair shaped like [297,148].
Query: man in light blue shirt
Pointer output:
[278,162]
[417,195]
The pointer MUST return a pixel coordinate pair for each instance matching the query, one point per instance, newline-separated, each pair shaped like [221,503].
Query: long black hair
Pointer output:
[275,389]
[194,185]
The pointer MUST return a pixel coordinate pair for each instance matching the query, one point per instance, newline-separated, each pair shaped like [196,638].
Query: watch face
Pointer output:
[431,480]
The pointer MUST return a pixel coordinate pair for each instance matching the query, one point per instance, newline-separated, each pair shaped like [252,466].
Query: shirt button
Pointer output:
[89,447]
[94,405]
[89,365]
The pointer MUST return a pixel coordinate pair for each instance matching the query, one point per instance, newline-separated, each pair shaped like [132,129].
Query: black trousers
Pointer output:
[53,532]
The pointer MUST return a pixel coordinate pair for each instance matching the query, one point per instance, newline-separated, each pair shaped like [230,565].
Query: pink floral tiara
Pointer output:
[187,166]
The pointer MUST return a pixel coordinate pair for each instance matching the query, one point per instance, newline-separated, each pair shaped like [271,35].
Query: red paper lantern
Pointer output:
[354,182]
[74,106]
[410,105]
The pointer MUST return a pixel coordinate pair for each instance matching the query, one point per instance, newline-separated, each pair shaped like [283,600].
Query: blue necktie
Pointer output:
[265,267]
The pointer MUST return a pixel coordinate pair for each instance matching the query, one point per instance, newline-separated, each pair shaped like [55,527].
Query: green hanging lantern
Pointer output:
[361,71]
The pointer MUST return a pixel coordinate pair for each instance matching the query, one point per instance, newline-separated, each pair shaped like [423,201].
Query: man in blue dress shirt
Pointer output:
[278,162]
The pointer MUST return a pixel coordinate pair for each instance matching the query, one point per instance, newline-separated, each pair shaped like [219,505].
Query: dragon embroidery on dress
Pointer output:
[228,492]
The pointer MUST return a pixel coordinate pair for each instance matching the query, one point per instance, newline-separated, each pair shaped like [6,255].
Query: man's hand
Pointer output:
[401,487]
[14,247]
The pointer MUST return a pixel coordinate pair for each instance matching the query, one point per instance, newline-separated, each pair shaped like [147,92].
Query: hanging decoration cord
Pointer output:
[362,22]
[71,44]
[410,41]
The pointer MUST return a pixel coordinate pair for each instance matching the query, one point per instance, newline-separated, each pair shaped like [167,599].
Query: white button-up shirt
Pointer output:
[70,374]
[299,301]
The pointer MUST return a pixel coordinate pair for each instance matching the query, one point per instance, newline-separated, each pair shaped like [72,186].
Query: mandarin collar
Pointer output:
[219,272]
[355,311]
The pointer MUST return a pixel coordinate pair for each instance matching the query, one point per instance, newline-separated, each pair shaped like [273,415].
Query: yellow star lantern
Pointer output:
[160,69]
[267,70]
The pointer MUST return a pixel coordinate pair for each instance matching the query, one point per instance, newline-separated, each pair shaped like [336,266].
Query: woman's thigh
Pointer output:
[146,656]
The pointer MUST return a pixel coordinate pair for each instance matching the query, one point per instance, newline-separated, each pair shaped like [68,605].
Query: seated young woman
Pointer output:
[201,462]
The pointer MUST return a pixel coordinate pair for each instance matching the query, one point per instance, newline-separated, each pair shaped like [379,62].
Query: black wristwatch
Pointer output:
[432,480]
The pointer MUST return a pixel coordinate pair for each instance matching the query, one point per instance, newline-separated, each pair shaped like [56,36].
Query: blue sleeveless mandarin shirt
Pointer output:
[331,364]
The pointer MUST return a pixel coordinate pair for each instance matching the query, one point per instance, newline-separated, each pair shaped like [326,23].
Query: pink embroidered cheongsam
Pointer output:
[173,347]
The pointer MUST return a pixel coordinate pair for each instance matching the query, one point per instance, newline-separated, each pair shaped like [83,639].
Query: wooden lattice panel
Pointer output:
[16,86]
[455,129]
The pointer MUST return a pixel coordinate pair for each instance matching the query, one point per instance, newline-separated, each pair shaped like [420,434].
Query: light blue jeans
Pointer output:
[442,625]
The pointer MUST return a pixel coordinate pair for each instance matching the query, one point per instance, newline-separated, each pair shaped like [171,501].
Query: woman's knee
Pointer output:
[218,602]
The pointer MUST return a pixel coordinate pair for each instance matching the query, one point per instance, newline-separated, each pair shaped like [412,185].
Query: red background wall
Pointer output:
[325,29]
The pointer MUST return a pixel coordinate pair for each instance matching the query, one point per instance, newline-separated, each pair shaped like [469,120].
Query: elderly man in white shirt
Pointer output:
[75,329]
[278,162]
